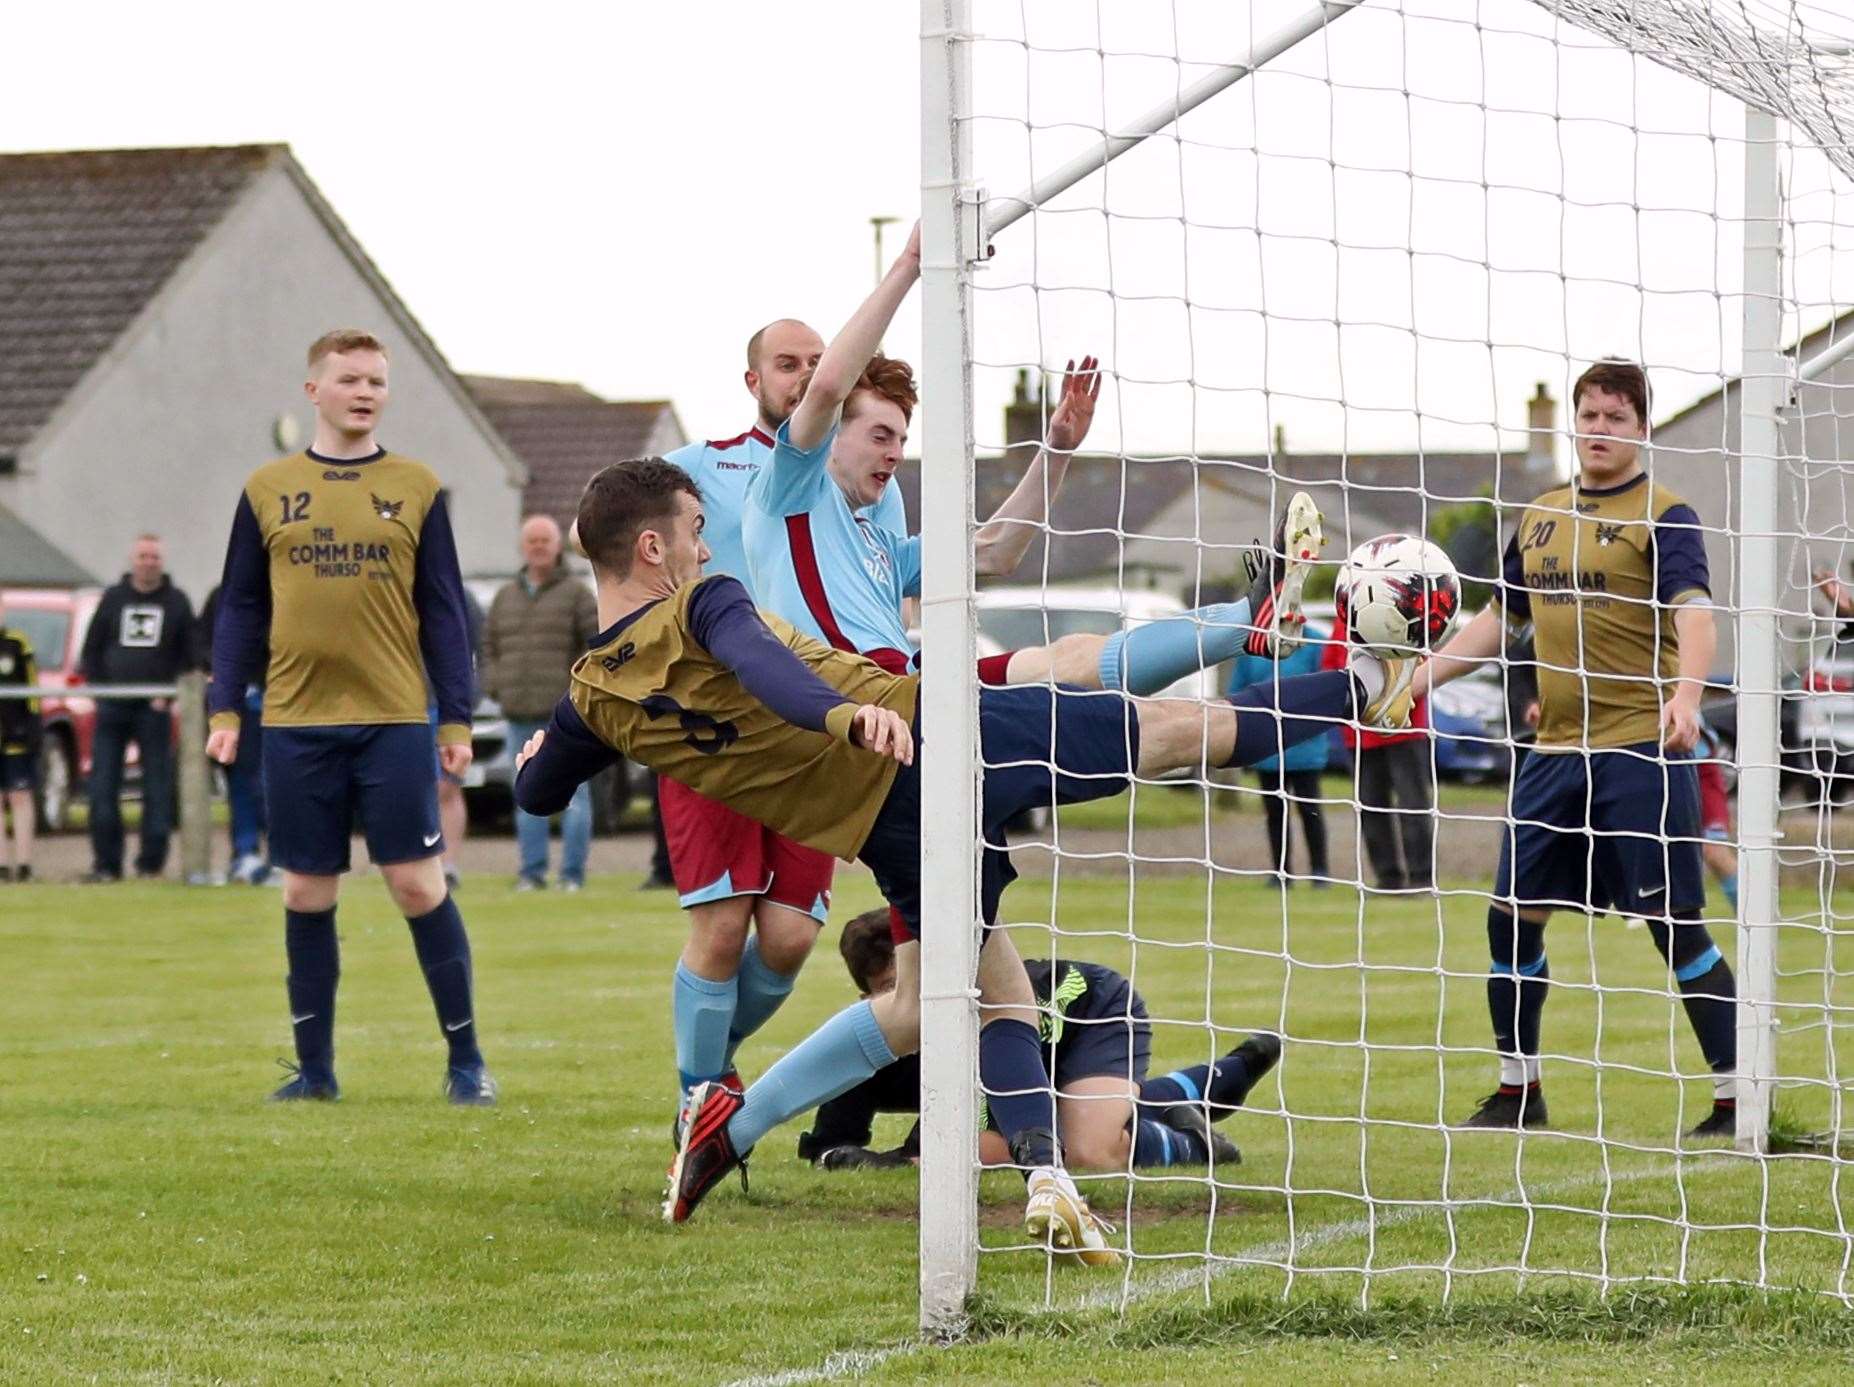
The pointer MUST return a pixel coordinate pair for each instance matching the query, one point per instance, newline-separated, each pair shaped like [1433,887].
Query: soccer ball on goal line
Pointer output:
[1398,595]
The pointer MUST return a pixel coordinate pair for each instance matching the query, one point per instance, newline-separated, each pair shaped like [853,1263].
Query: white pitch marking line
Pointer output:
[1285,1250]
[851,1363]
[856,1362]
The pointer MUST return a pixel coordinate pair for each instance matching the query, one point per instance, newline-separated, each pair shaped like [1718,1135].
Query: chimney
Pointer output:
[1542,432]
[1023,416]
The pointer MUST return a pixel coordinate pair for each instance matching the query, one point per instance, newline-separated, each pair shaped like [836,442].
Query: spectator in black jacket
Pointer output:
[142,633]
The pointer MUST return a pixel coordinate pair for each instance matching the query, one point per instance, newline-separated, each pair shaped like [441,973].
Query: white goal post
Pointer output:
[1730,208]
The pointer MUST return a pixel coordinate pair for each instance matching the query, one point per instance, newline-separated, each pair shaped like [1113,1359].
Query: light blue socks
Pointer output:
[834,1058]
[703,1012]
[762,992]
[1158,654]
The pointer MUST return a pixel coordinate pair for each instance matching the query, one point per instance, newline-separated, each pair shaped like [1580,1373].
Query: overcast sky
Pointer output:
[619,194]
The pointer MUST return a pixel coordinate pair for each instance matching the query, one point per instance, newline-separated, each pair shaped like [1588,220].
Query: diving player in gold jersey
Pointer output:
[342,556]
[689,679]
[1611,571]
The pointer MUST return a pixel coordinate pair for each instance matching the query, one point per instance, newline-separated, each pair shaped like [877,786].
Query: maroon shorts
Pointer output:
[717,853]
[1715,811]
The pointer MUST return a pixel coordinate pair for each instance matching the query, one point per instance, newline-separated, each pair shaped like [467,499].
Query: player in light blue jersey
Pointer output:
[835,576]
[755,898]
[780,357]
[815,559]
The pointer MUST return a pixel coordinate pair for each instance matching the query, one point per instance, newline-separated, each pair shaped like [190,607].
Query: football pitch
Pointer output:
[160,1223]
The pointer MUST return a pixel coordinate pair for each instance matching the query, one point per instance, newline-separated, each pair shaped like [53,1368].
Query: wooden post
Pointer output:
[195,783]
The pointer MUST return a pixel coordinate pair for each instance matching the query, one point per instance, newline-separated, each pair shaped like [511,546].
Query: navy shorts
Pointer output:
[1618,829]
[1105,1033]
[319,780]
[19,770]
[1095,738]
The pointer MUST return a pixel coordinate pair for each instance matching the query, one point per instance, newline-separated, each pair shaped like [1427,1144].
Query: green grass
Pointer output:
[158,1223]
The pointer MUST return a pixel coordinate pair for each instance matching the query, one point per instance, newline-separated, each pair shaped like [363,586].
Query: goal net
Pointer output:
[1363,250]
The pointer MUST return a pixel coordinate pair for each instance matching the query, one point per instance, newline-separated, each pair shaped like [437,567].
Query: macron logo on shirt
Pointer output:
[722,464]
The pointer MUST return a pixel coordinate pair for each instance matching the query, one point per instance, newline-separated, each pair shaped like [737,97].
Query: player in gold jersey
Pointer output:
[1611,571]
[342,556]
[689,679]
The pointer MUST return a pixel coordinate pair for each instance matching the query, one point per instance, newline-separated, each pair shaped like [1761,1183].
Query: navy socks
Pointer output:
[1517,983]
[1018,1091]
[315,970]
[1224,1084]
[1273,715]
[1707,988]
[444,955]
[1155,1144]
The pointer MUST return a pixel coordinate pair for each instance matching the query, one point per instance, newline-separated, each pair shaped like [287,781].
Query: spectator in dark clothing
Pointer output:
[659,877]
[540,622]
[21,732]
[142,633]
[244,778]
[1295,775]
[1396,792]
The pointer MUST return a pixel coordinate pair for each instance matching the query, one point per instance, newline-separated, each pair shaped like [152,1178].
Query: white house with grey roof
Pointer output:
[155,306]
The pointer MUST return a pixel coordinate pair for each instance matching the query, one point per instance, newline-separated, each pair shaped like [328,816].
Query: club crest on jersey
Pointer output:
[1608,534]
[876,562]
[386,510]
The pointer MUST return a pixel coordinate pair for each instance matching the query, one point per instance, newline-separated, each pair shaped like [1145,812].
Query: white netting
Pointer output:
[1795,61]
[1372,270]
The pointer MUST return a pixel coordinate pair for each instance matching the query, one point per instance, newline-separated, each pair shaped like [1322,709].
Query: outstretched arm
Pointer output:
[722,617]
[1475,644]
[849,351]
[1001,541]
[1483,638]
[557,760]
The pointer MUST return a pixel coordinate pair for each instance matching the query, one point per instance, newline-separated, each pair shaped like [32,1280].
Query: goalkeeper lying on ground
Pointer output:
[690,680]
[1093,1024]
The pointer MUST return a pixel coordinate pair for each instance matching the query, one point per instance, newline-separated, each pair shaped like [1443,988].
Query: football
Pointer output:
[1398,595]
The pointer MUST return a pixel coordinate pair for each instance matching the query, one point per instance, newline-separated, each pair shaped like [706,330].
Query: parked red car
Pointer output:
[54,620]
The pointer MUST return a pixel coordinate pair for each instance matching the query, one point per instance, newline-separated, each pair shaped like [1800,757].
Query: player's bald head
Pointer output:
[782,336]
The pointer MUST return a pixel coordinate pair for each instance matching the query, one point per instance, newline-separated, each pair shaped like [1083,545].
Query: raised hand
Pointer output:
[1835,591]
[1074,412]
